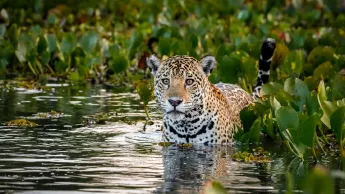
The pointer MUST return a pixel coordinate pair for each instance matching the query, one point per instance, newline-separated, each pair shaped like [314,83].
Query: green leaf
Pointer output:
[270,88]
[69,43]
[324,71]
[21,58]
[13,34]
[293,63]
[145,91]
[298,89]
[213,187]
[119,64]
[52,42]
[287,117]
[275,105]
[42,45]
[255,130]
[248,117]
[307,130]
[320,54]
[312,103]
[267,124]
[291,135]
[193,39]
[2,30]
[338,87]
[164,46]
[74,76]
[45,57]
[135,41]
[224,65]
[60,67]
[3,65]
[89,41]
[319,181]
[337,121]
[327,107]
[322,94]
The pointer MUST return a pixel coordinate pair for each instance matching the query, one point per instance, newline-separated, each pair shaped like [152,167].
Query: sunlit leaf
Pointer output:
[20,56]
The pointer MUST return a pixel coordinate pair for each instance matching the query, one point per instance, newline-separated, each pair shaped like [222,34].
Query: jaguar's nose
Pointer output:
[174,102]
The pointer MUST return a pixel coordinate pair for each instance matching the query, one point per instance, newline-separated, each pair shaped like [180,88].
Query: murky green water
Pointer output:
[64,155]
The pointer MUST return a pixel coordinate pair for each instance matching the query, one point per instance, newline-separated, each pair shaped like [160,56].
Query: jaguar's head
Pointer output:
[179,82]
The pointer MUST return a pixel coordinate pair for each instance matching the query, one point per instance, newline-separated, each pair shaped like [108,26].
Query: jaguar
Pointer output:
[194,109]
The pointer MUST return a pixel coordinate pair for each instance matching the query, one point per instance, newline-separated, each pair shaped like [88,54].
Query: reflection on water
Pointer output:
[61,155]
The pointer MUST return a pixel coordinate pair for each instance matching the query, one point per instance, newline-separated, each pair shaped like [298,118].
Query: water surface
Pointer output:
[68,154]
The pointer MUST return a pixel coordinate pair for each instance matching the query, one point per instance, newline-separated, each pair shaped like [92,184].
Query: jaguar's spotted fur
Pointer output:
[196,111]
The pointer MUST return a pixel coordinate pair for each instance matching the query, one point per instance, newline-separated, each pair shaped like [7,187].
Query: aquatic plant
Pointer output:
[21,123]
[258,155]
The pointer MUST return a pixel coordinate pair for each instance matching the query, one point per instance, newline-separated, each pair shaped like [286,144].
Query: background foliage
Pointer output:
[107,41]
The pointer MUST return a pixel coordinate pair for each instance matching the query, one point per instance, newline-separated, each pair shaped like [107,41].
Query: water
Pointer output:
[63,154]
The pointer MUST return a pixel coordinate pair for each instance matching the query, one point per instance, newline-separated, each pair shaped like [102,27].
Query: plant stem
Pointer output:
[292,150]
[147,113]
[322,135]
[319,144]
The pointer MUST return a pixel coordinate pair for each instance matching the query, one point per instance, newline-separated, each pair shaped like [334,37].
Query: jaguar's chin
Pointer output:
[175,114]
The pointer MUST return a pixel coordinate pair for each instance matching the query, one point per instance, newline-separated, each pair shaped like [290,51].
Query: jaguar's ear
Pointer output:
[207,63]
[153,63]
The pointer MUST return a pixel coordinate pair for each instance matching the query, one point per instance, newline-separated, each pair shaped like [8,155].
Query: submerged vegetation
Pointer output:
[21,123]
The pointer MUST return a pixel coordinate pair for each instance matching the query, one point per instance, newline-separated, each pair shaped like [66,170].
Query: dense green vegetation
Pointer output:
[107,41]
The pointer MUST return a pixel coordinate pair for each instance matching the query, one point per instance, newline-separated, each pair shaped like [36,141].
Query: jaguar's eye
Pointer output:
[189,82]
[165,81]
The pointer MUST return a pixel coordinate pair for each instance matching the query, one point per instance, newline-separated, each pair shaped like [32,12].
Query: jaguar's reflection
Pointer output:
[187,171]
